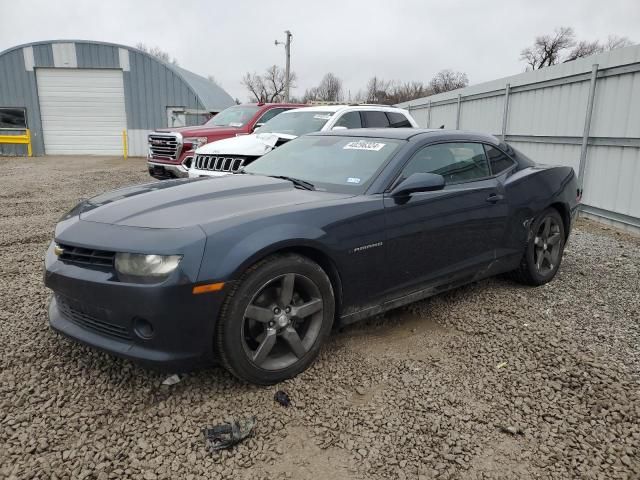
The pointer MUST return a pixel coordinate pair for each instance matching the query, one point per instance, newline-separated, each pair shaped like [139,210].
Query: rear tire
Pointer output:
[543,253]
[275,319]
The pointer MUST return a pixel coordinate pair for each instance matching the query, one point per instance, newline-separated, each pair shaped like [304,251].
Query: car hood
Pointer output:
[256,144]
[187,203]
[201,130]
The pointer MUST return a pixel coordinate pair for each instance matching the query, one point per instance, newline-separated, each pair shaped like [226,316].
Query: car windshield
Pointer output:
[296,122]
[234,116]
[332,163]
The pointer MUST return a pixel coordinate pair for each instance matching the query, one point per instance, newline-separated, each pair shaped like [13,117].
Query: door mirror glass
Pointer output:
[418,182]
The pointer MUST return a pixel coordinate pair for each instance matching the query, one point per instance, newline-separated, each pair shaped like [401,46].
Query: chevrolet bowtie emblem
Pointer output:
[58,250]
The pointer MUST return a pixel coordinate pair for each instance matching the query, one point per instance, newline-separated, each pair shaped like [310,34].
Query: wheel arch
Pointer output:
[565,214]
[305,249]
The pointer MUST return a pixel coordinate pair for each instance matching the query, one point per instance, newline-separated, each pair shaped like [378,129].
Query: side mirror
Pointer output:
[339,127]
[418,182]
[257,126]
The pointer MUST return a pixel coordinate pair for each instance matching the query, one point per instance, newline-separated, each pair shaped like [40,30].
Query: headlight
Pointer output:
[195,141]
[152,267]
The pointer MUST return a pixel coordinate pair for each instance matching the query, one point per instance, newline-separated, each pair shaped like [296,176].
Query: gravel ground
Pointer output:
[494,380]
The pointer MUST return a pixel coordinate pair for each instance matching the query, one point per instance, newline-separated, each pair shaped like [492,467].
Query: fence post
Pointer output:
[429,114]
[587,126]
[505,111]
[458,112]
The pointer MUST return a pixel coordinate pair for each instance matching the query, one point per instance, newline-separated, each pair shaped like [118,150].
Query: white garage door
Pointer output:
[82,111]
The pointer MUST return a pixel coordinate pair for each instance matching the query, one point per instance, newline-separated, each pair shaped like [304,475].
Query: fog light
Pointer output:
[142,328]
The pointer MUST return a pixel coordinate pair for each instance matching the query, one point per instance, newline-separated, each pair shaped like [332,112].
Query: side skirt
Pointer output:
[408,298]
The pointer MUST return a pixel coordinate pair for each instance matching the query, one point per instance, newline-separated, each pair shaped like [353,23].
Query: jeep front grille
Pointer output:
[219,163]
[164,145]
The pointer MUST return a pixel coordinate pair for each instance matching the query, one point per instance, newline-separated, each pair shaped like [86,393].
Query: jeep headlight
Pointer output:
[195,141]
[138,267]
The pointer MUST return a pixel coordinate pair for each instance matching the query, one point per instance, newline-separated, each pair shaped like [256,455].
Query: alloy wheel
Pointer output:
[282,321]
[547,246]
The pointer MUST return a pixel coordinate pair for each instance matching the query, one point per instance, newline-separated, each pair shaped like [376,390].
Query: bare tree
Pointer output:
[614,41]
[377,90]
[547,49]
[584,48]
[446,80]
[405,91]
[268,87]
[157,52]
[329,90]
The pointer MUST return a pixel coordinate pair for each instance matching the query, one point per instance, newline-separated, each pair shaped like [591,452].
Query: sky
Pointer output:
[396,40]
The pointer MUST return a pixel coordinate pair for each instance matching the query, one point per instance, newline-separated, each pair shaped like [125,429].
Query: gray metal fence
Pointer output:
[584,114]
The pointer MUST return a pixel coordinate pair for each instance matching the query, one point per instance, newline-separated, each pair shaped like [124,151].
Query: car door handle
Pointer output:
[495,198]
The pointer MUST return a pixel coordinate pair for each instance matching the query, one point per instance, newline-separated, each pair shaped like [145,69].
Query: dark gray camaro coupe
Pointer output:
[253,269]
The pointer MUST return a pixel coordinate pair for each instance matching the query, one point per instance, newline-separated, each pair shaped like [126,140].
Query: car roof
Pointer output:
[337,108]
[413,134]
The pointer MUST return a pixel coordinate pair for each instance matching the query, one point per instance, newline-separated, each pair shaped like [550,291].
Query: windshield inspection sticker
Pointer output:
[353,180]
[364,145]
[235,124]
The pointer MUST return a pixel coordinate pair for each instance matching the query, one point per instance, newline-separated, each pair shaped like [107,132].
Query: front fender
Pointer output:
[227,258]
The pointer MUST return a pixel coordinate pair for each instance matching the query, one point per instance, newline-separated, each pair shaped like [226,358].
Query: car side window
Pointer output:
[373,119]
[398,120]
[349,120]
[456,162]
[498,160]
[269,114]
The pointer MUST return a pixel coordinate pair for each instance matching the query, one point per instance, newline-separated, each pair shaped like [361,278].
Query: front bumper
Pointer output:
[91,307]
[164,171]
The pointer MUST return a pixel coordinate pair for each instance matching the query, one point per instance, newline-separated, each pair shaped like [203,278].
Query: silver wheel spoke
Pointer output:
[259,314]
[539,261]
[293,340]
[286,294]
[306,309]
[547,227]
[538,242]
[265,347]
[553,239]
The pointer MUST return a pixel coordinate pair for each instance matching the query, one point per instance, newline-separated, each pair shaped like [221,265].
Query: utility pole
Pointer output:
[287,73]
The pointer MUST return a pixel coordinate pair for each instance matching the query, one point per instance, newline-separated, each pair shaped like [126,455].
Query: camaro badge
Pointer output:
[367,247]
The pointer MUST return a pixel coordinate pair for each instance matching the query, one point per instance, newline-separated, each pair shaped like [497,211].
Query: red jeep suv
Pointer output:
[171,149]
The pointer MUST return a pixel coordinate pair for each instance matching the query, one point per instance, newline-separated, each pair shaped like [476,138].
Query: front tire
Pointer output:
[275,319]
[543,254]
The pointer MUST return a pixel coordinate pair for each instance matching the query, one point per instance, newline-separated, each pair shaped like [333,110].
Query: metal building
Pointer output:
[584,114]
[78,97]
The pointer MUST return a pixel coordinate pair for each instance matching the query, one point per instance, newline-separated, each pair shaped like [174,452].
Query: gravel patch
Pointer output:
[493,380]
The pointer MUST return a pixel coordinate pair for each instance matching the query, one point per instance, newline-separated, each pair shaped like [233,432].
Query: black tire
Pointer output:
[541,259]
[245,331]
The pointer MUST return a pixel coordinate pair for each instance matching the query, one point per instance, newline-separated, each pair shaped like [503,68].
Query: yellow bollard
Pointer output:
[125,144]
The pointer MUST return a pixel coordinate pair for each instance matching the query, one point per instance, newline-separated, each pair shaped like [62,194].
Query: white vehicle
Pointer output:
[230,155]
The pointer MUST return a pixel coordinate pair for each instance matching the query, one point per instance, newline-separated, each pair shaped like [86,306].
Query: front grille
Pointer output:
[219,163]
[164,145]
[86,256]
[76,313]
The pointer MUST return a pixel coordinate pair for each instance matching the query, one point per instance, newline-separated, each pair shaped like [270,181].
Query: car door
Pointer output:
[441,236]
